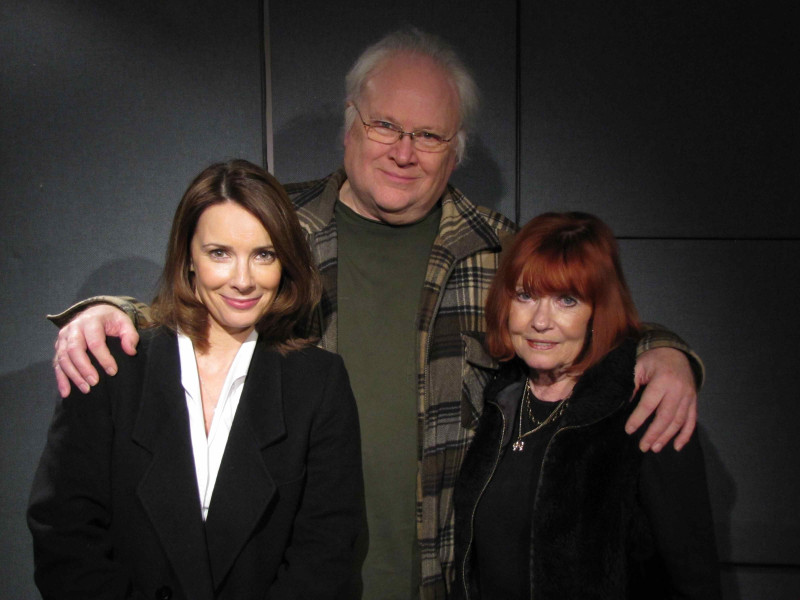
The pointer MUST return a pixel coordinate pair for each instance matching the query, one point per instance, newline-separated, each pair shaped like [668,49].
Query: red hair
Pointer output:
[565,253]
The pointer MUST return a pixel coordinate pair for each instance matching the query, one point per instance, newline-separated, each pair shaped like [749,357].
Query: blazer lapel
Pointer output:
[244,487]
[168,490]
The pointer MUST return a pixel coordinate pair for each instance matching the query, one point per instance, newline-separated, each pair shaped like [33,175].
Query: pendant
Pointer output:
[518,446]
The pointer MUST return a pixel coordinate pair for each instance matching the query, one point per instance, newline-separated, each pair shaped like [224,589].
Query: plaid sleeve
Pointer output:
[658,336]
[137,311]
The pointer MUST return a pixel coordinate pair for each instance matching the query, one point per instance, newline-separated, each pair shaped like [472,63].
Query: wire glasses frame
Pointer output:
[388,133]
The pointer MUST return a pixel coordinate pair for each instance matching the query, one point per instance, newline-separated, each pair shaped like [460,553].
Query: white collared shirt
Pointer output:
[208,450]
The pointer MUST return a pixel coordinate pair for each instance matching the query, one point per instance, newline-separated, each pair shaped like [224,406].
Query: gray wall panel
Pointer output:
[677,118]
[109,108]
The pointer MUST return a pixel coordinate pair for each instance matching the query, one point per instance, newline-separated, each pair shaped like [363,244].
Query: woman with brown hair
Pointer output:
[554,500]
[223,461]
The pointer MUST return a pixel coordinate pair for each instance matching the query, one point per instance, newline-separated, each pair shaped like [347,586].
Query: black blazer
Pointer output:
[115,510]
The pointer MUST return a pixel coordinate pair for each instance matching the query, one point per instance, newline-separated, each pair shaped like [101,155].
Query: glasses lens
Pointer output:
[429,142]
[384,135]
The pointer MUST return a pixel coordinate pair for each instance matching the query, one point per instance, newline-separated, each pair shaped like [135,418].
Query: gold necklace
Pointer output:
[525,405]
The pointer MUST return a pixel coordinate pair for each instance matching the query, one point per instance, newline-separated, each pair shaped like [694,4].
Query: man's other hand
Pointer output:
[671,392]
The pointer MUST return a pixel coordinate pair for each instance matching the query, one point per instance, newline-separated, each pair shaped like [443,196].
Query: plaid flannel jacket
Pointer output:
[452,367]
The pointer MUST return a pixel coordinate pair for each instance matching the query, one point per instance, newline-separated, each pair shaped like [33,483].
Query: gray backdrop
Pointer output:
[676,122]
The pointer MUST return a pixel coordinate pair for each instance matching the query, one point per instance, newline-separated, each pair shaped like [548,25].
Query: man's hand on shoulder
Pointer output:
[87,333]
[671,393]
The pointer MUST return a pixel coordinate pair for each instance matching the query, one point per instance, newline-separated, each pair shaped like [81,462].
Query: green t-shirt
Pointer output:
[381,269]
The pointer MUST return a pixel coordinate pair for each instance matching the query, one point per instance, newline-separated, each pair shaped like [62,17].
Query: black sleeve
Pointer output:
[319,561]
[69,512]
[674,494]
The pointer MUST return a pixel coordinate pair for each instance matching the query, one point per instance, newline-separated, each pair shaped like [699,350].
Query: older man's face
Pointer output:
[397,183]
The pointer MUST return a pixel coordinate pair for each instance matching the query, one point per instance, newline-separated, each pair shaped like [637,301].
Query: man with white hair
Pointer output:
[406,261]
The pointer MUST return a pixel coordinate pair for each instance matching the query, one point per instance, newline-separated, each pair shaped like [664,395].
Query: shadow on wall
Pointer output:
[27,400]
[310,146]
[722,485]
[479,176]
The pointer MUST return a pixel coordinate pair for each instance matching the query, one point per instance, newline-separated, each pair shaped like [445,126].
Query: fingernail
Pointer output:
[111,371]
[657,447]
[84,388]
[92,380]
[629,430]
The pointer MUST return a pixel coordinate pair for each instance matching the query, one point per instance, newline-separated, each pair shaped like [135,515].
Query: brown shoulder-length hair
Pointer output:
[239,181]
[565,253]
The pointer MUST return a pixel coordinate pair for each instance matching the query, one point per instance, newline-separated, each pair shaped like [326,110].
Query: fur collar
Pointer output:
[596,395]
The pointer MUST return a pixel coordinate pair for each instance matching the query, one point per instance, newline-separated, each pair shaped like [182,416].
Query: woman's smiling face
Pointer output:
[236,270]
[548,332]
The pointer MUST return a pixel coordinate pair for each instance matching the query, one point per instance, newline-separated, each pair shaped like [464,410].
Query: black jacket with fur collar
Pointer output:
[608,522]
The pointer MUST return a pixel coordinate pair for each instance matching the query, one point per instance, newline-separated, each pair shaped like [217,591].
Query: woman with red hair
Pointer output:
[554,499]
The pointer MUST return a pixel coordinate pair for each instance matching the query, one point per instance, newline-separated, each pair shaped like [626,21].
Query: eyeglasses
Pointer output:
[385,132]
